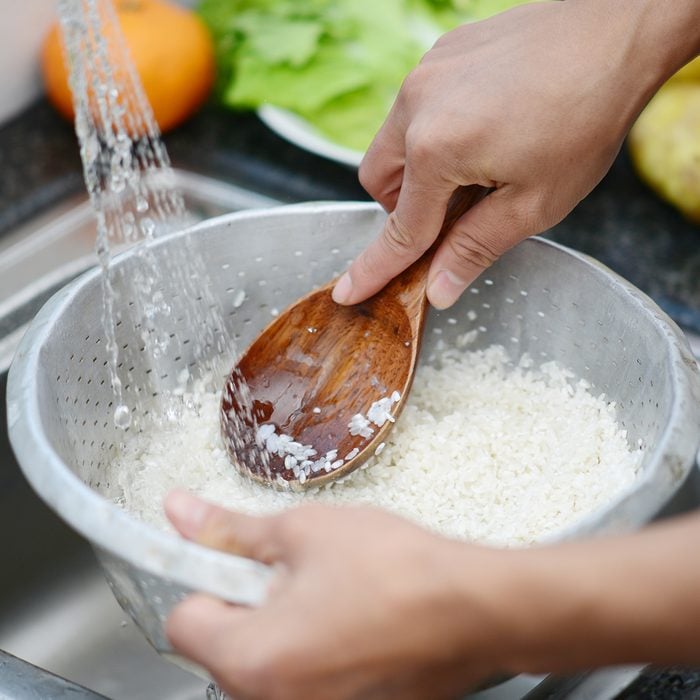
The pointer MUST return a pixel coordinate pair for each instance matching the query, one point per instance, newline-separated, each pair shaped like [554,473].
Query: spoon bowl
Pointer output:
[316,394]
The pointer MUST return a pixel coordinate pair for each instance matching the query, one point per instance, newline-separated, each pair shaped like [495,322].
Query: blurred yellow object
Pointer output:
[690,71]
[665,145]
[171,49]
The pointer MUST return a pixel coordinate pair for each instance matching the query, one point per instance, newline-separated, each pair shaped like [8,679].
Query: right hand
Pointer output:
[534,102]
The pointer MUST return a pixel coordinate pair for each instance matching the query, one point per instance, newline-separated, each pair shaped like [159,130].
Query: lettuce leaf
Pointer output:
[336,63]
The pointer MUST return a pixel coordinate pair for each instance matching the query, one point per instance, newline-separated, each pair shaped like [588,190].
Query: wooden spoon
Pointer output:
[316,366]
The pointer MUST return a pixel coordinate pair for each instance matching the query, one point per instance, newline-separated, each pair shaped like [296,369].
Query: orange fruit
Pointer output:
[170,47]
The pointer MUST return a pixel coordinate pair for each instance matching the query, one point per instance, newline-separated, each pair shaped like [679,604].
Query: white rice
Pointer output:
[484,450]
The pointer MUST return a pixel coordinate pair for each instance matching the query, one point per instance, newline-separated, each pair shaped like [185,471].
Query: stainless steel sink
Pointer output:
[56,610]
[44,254]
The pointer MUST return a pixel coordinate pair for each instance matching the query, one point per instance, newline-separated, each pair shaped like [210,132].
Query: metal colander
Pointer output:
[540,299]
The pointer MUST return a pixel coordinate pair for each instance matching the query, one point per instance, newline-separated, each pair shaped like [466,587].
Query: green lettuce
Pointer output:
[336,63]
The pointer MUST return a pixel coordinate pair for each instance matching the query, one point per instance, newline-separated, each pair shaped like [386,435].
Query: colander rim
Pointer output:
[165,554]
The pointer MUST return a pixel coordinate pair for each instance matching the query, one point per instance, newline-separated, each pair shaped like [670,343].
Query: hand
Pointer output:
[366,605]
[535,103]
[363,605]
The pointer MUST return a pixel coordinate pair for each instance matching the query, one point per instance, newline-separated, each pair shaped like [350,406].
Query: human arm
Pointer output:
[534,102]
[365,604]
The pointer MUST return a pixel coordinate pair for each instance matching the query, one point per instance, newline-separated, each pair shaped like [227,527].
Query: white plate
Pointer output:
[301,133]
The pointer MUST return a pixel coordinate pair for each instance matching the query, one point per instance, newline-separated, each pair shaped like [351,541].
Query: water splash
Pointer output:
[133,193]
[215,693]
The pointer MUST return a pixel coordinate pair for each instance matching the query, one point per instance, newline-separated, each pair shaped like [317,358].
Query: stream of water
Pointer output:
[132,190]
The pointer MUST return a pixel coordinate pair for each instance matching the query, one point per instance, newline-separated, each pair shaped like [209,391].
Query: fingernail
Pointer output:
[342,290]
[445,289]
[187,512]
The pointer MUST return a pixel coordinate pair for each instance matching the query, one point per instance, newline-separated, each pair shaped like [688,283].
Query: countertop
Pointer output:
[621,223]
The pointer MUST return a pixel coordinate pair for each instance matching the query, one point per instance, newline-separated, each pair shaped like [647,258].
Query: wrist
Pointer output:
[655,37]
[561,608]
[644,42]
[498,598]
[600,602]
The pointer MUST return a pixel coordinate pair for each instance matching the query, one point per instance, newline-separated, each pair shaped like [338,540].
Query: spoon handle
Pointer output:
[462,199]
[409,288]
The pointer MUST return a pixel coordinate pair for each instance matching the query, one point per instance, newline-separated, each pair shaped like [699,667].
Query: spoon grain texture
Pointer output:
[316,366]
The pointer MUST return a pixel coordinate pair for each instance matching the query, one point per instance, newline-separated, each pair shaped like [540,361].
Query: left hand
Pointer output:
[363,605]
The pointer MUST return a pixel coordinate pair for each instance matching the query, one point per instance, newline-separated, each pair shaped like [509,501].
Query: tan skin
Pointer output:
[383,609]
[534,102]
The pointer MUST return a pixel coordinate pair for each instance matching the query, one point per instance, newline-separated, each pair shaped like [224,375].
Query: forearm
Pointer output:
[607,601]
[642,42]
[667,33]
[655,38]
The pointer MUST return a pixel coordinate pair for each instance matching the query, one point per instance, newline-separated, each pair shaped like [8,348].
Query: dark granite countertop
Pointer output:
[621,223]
[664,684]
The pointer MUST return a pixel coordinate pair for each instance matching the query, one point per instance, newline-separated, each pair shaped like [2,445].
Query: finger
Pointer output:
[222,529]
[382,168]
[391,199]
[475,242]
[408,232]
[204,629]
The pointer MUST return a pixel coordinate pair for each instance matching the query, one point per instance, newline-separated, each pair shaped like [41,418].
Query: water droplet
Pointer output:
[91,148]
[239,298]
[102,251]
[192,405]
[128,221]
[174,413]
[141,204]
[117,183]
[148,227]
[122,417]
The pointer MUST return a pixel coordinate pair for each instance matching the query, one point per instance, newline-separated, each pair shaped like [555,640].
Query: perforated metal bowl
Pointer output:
[540,299]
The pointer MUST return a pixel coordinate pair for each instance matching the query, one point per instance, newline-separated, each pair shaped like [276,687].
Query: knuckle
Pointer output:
[398,238]
[411,88]
[367,177]
[471,250]
[421,143]
[218,531]
[527,215]
[376,182]
[445,41]
[417,84]
[538,212]
[442,40]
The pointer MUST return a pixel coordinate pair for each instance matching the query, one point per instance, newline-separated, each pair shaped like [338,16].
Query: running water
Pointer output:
[132,190]
[215,693]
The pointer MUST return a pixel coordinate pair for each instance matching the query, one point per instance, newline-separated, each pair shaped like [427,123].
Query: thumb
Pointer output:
[221,529]
[475,242]
[409,231]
